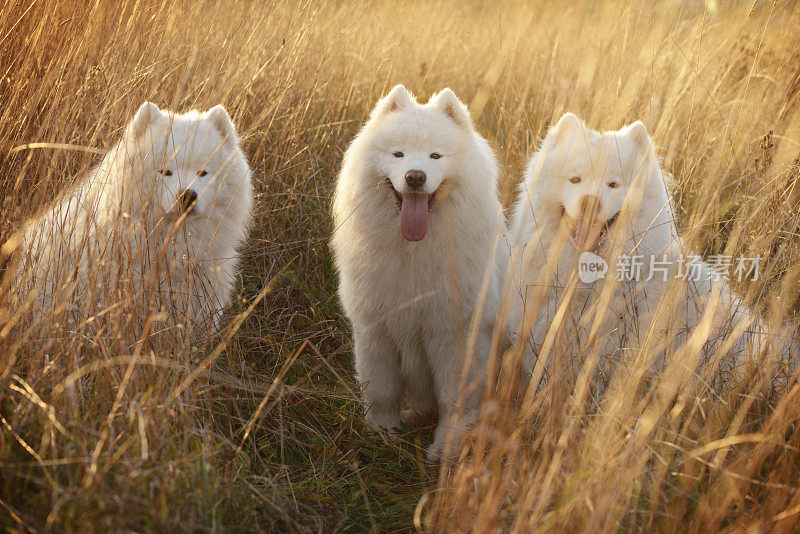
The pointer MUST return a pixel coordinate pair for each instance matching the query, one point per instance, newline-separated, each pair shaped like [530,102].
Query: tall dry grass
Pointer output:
[260,427]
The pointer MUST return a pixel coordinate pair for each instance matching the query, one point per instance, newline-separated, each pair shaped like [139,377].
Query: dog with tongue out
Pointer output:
[416,246]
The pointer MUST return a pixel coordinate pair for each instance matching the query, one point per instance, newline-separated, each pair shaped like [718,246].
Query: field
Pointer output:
[261,428]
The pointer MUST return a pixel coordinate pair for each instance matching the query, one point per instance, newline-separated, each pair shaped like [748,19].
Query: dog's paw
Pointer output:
[389,422]
[435,452]
[414,418]
[450,438]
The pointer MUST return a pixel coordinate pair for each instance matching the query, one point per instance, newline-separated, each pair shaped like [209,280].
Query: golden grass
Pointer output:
[267,433]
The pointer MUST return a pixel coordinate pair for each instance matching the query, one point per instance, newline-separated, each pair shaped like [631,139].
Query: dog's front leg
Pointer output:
[458,406]
[378,371]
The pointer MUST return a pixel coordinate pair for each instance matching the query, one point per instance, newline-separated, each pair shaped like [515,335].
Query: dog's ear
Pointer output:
[568,124]
[398,99]
[223,123]
[144,117]
[637,133]
[448,103]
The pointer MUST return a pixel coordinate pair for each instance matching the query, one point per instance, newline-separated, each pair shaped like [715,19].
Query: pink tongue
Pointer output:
[414,216]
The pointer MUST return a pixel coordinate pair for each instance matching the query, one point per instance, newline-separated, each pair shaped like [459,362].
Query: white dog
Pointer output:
[158,222]
[598,261]
[417,219]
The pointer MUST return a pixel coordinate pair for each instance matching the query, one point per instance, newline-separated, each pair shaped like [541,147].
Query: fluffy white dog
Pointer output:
[157,222]
[598,261]
[417,219]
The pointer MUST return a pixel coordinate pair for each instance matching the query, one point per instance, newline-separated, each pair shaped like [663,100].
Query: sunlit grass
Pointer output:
[299,78]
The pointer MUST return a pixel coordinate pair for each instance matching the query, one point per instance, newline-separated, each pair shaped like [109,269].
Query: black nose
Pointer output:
[187,198]
[415,179]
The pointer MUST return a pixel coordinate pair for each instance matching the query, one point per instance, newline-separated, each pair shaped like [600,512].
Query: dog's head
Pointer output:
[593,181]
[190,163]
[415,150]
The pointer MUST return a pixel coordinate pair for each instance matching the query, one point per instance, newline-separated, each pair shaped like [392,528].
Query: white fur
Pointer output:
[120,233]
[607,316]
[410,303]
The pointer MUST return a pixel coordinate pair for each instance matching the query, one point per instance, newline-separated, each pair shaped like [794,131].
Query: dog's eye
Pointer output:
[613,185]
[575,179]
[202,173]
[165,172]
[436,155]
[398,154]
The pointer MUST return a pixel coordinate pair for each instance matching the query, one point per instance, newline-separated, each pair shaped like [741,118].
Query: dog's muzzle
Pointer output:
[414,208]
[588,233]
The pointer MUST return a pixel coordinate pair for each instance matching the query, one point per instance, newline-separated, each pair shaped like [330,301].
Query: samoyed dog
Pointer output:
[417,223]
[598,264]
[158,221]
